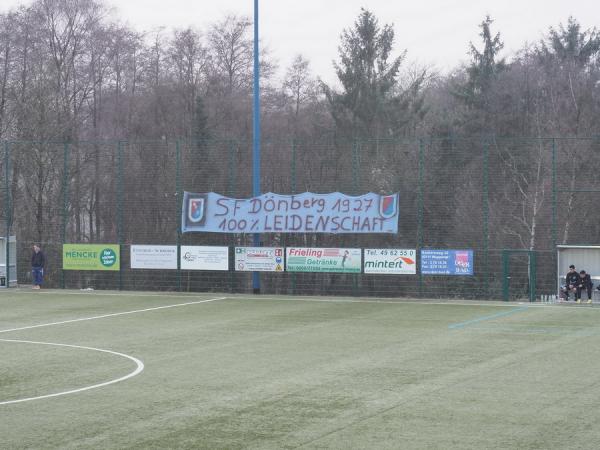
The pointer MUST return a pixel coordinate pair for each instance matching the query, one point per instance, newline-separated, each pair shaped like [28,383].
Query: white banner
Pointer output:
[259,259]
[300,213]
[154,257]
[391,261]
[204,258]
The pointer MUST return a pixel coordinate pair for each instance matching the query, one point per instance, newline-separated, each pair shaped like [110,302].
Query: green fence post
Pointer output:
[420,205]
[179,198]
[7,209]
[554,196]
[486,206]
[356,188]
[231,187]
[293,187]
[65,182]
[293,168]
[505,274]
[120,207]
[554,207]
[355,166]
[532,276]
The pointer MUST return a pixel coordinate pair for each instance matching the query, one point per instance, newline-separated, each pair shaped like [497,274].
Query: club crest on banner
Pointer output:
[461,259]
[388,206]
[196,208]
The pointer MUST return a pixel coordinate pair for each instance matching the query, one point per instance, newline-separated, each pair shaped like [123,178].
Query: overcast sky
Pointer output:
[435,32]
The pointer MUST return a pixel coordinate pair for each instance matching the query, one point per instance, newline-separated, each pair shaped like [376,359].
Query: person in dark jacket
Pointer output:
[38,262]
[572,282]
[586,283]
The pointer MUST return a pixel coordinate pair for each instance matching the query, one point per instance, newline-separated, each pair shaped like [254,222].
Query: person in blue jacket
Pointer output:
[38,262]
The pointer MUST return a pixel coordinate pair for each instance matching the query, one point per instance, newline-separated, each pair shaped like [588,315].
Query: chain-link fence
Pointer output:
[484,194]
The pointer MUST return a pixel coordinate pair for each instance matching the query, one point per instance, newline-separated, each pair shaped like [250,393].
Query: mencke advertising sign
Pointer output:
[259,259]
[302,213]
[91,257]
[341,260]
[446,262]
[392,261]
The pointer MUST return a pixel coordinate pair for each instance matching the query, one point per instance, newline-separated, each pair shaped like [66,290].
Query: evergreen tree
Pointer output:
[371,95]
[484,68]
[570,44]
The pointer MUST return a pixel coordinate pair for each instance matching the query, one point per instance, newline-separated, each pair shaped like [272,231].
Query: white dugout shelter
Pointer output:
[583,257]
[12,265]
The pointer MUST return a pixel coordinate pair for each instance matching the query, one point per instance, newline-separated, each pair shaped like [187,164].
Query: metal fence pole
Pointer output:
[293,168]
[293,189]
[7,209]
[65,205]
[231,185]
[120,208]
[356,188]
[554,196]
[355,167]
[505,275]
[179,199]
[256,153]
[486,214]
[420,205]
[532,276]
[231,188]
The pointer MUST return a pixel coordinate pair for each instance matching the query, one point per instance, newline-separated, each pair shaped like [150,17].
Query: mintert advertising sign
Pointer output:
[302,213]
[341,260]
[91,257]
[390,261]
[259,259]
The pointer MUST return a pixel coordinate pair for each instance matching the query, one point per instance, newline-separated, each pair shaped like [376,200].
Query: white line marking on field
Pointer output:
[139,368]
[319,299]
[402,301]
[376,301]
[101,293]
[112,315]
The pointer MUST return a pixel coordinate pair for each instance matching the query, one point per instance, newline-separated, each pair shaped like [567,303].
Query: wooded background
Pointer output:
[103,126]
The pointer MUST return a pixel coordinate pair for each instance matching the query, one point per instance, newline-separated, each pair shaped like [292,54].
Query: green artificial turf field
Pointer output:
[293,372]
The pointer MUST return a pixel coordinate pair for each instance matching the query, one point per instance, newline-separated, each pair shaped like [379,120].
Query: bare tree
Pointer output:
[300,87]
[189,59]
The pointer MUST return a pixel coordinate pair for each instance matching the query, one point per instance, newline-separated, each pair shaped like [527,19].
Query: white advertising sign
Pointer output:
[259,259]
[154,257]
[391,261]
[195,257]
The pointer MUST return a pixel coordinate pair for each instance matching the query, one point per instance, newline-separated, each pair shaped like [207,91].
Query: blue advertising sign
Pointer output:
[446,262]
[302,213]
